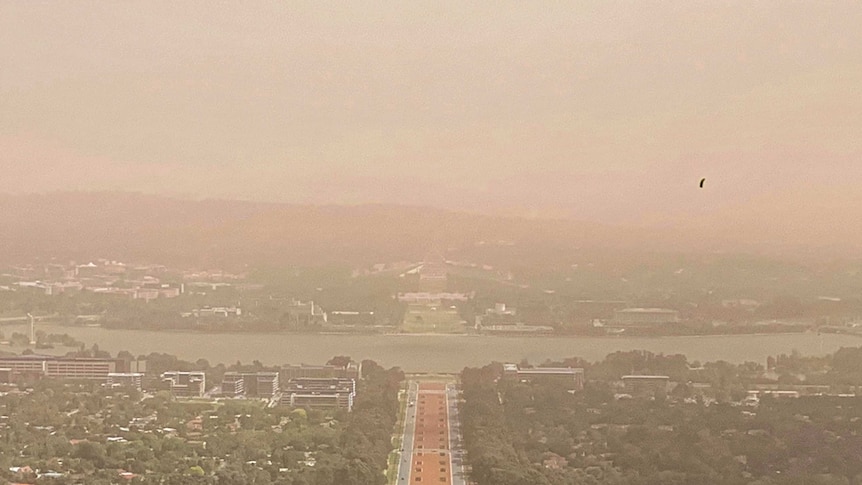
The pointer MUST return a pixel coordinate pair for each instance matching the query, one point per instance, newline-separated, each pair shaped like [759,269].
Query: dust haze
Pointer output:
[380,243]
[606,113]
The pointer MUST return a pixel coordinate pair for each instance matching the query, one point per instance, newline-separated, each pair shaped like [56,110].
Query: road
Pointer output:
[431,450]
[409,430]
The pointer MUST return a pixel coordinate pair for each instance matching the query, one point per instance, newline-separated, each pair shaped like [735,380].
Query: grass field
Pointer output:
[426,319]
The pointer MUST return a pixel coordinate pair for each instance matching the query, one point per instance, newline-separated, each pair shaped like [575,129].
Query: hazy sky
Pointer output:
[596,110]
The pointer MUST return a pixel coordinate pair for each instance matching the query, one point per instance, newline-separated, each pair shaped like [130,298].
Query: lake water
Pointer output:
[421,353]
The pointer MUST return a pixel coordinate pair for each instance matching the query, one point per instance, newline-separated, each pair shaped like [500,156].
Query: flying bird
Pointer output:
[701,182]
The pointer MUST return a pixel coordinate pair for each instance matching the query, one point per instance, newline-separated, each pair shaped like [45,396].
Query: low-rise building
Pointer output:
[570,376]
[352,370]
[428,298]
[647,384]
[645,316]
[220,311]
[516,329]
[348,317]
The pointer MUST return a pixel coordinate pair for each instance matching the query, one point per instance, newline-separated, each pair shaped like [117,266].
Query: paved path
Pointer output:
[459,477]
[431,445]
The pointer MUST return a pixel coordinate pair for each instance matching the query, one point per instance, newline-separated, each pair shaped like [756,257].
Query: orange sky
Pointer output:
[608,111]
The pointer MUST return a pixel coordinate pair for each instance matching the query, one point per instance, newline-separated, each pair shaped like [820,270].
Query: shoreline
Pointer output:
[427,335]
[425,353]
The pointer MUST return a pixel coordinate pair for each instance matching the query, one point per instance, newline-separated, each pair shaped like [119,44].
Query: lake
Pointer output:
[424,353]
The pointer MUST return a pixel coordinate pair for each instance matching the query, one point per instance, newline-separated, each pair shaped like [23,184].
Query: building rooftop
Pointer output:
[552,370]
[646,310]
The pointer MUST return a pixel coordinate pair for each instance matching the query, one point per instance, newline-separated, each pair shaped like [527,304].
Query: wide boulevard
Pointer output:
[431,445]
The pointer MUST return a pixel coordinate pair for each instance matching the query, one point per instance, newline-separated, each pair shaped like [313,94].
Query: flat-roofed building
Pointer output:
[570,376]
[304,313]
[133,380]
[318,401]
[635,384]
[351,318]
[775,393]
[429,298]
[27,366]
[516,329]
[251,384]
[645,316]
[233,384]
[186,384]
[5,375]
[39,366]
[352,370]
[320,393]
[81,368]
[267,384]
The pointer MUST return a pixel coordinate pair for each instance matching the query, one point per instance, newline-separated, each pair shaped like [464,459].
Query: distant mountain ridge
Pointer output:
[132,226]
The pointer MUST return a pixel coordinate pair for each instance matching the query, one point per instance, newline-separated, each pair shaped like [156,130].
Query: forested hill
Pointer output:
[132,226]
[136,226]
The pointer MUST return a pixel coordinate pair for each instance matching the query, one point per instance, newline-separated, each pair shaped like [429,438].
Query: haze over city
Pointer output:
[606,112]
[461,243]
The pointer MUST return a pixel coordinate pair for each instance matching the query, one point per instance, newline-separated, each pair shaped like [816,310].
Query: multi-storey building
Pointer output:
[185,384]
[126,379]
[39,366]
[233,384]
[328,393]
[251,384]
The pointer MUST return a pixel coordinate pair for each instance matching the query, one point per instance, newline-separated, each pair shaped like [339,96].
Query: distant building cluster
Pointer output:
[502,319]
[219,311]
[428,298]
[304,386]
[138,282]
[212,275]
[324,386]
[312,386]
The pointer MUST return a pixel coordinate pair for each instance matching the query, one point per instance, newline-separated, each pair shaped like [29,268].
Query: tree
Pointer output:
[339,361]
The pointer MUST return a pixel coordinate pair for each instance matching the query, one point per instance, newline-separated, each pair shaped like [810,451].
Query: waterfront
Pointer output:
[432,353]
